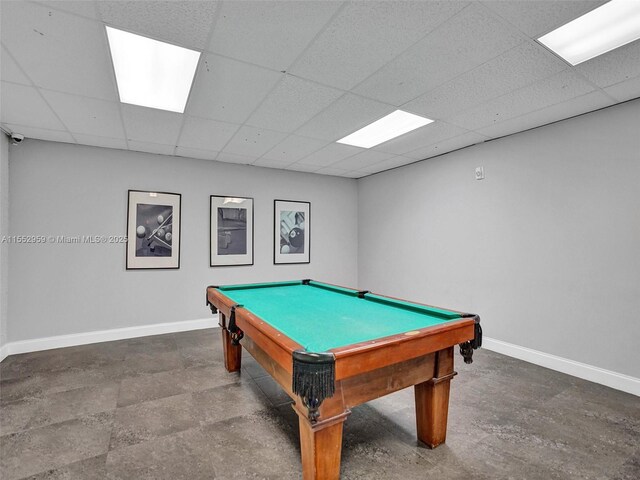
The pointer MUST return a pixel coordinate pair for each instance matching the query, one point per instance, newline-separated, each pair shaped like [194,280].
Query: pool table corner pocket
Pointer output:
[467,348]
[313,379]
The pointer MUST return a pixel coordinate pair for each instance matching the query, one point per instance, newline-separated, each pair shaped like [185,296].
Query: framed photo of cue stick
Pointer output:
[291,230]
[153,230]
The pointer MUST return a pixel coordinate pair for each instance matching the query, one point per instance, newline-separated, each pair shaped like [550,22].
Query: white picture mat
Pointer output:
[231,202]
[288,206]
[152,198]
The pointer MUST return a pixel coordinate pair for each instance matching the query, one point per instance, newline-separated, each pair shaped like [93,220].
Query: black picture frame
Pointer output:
[291,232]
[231,259]
[145,257]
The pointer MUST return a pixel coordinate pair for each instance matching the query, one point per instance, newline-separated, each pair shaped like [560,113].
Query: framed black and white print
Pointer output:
[153,230]
[291,232]
[231,231]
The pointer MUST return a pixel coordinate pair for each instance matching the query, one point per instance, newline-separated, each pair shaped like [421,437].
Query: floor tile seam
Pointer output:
[47,470]
[53,424]
[189,393]
[200,425]
[263,412]
[46,395]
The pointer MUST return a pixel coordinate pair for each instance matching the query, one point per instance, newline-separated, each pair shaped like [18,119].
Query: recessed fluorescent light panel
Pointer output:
[392,126]
[151,73]
[610,26]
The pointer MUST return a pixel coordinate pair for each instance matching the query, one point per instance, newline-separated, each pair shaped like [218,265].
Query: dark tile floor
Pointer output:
[164,408]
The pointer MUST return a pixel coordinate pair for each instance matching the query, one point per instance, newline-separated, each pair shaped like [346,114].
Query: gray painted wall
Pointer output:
[4,230]
[546,248]
[61,189]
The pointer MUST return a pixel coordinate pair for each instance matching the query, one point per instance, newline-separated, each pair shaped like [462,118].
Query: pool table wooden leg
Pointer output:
[232,353]
[432,401]
[321,441]
[321,447]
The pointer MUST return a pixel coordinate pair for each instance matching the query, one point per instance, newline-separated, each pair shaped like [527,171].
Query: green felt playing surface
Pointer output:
[321,317]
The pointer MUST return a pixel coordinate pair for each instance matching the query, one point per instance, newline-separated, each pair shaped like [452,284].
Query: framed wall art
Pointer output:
[291,232]
[231,231]
[153,230]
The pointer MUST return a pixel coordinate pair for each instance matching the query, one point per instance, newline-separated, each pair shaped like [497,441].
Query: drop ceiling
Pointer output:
[279,82]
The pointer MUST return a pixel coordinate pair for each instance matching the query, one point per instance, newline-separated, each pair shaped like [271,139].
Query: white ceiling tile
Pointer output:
[57,50]
[464,140]
[41,133]
[11,72]
[253,142]
[149,147]
[24,105]
[203,134]
[196,153]
[520,66]
[300,167]
[330,154]
[346,115]
[272,33]
[427,135]
[625,90]
[336,172]
[293,148]
[613,67]
[292,103]
[265,162]
[575,106]
[84,8]
[377,168]
[150,125]
[233,158]
[362,160]
[467,40]
[98,141]
[552,90]
[537,17]
[229,90]
[366,35]
[388,164]
[187,24]
[86,115]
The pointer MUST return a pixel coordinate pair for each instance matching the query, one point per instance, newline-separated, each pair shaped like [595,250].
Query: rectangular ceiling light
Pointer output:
[392,126]
[151,73]
[610,26]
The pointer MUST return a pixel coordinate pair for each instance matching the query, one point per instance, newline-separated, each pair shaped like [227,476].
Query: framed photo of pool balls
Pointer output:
[291,232]
[153,230]
[231,231]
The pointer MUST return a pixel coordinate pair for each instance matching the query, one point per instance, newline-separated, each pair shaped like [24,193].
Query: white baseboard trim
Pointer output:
[608,378]
[37,344]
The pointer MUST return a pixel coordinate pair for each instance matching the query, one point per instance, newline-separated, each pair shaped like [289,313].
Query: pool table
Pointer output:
[332,348]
